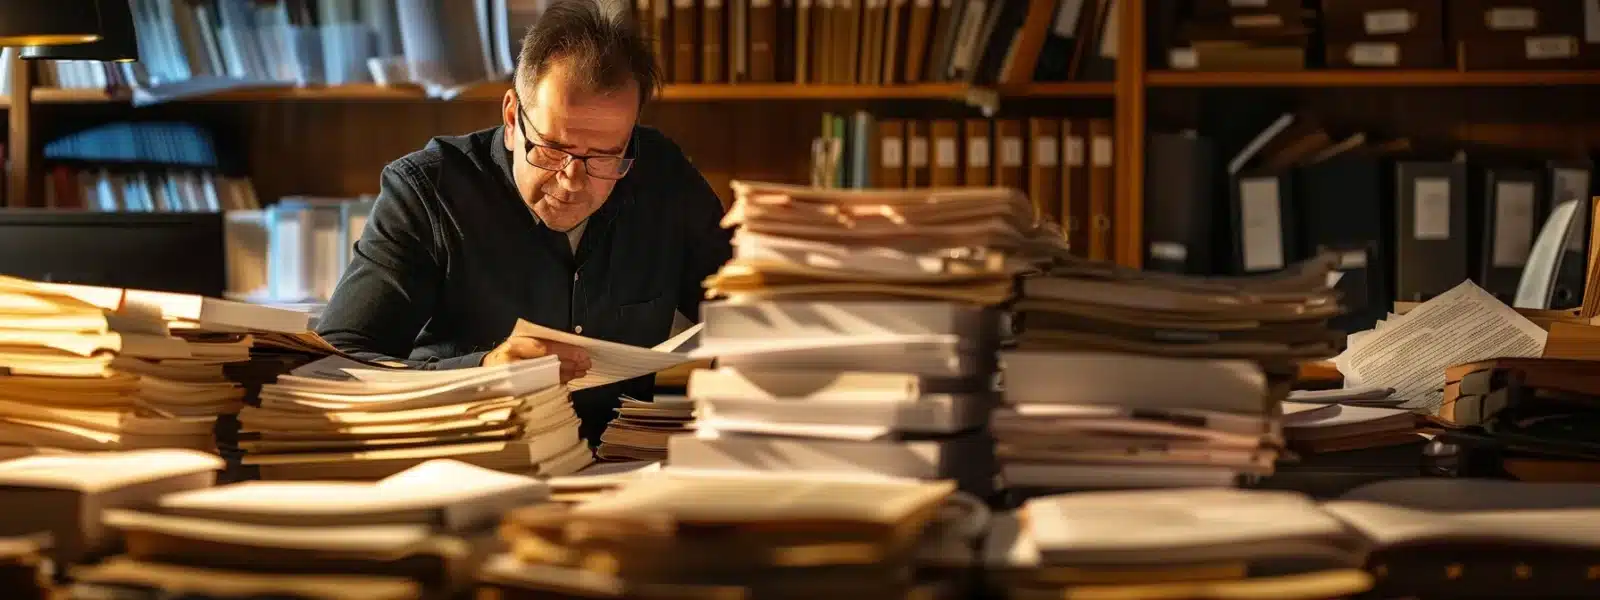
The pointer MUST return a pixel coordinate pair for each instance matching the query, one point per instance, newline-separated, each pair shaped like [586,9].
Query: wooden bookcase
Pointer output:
[334,140]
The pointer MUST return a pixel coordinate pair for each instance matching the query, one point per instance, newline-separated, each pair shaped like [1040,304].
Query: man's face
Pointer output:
[563,116]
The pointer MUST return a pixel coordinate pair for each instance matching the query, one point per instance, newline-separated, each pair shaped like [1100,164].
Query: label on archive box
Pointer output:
[1066,21]
[1183,59]
[944,153]
[1261,218]
[891,153]
[1045,151]
[922,4]
[760,3]
[1100,151]
[1381,22]
[1591,21]
[1010,152]
[1511,19]
[1374,54]
[1353,259]
[1074,151]
[978,152]
[1431,209]
[1172,251]
[1513,223]
[1548,47]
[683,3]
[1247,3]
[918,149]
[1257,21]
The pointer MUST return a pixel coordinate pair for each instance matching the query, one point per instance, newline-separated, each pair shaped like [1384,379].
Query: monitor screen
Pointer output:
[170,252]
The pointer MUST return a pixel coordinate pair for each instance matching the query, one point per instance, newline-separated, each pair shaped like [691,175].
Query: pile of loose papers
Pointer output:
[723,536]
[1174,544]
[641,429]
[1124,379]
[337,419]
[856,332]
[421,533]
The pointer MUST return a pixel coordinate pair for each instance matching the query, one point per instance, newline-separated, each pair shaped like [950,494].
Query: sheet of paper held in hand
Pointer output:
[612,361]
[1410,352]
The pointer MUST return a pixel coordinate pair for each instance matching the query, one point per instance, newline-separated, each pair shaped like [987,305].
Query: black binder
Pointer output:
[1347,206]
[1265,222]
[1509,222]
[1178,192]
[1572,180]
[1430,235]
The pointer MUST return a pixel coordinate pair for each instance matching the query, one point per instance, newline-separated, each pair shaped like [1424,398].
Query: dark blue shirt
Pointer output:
[451,258]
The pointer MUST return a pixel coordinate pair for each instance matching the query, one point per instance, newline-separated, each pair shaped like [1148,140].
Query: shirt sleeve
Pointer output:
[707,244]
[389,290]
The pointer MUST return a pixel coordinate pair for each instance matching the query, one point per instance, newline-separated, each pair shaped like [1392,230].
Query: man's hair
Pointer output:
[598,38]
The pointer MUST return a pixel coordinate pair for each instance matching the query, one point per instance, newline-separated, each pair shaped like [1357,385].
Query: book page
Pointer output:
[610,361]
[1411,351]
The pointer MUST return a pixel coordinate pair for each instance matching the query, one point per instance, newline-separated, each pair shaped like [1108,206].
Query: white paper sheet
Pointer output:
[1411,352]
[610,361]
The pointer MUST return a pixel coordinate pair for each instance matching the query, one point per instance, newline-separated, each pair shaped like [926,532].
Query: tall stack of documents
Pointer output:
[726,535]
[1124,379]
[421,533]
[338,419]
[1174,544]
[856,332]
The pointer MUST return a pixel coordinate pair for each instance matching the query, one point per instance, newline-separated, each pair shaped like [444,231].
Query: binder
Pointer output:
[685,41]
[713,30]
[1101,153]
[764,45]
[1510,220]
[661,36]
[946,153]
[1347,205]
[1178,204]
[1044,172]
[1430,228]
[891,170]
[917,172]
[1075,186]
[1265,222]
[918,36]
[1572,180]
[1010,155]
[979,152]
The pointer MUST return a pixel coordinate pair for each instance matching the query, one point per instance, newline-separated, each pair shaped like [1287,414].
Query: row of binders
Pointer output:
[1473,35]
[119,188]
[881,42]
[1412,223]
[1065,165]
[156,524]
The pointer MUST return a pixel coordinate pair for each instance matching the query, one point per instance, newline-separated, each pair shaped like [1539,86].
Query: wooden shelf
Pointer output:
[1375,78]
[1065,89]
[75,96]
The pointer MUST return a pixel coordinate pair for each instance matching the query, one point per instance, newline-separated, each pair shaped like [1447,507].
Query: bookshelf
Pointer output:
[728,127]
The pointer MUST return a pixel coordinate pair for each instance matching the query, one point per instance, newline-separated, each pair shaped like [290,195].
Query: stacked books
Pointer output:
[1124,379]
[1174,544]
[641,429]
[857,332]
[421,533]
[1533,416]
[338,419]
[64,496]
[727,535]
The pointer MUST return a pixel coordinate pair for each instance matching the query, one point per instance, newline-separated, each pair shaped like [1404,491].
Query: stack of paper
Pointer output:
[426,530]
[1319,428]
[1174,544]
[641,429]
[856,332]
[1125,379]
[758,536]
[64,495]
[81,370]
[337,419]
[1410,352]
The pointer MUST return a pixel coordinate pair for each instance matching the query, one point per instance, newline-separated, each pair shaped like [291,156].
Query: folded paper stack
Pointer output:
[1124,379]
[338,419]
[421,533]
[856,332]
[94,368]
[729,535]
[641,429]
[1174,544]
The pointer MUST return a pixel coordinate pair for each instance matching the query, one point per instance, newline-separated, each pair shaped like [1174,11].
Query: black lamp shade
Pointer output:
[48,22]
[117,40]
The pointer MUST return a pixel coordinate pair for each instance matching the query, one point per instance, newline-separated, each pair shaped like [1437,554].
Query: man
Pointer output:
[569,214]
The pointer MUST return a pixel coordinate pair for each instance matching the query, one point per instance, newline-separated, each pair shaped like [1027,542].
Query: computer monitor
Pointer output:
[170,252]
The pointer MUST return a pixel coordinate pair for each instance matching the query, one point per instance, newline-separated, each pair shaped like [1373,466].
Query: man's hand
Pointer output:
[574,360]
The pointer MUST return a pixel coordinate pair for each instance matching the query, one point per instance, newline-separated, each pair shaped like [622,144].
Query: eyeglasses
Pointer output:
[600,166]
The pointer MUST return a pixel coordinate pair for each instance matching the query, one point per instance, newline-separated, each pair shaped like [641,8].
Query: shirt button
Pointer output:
[578,329]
